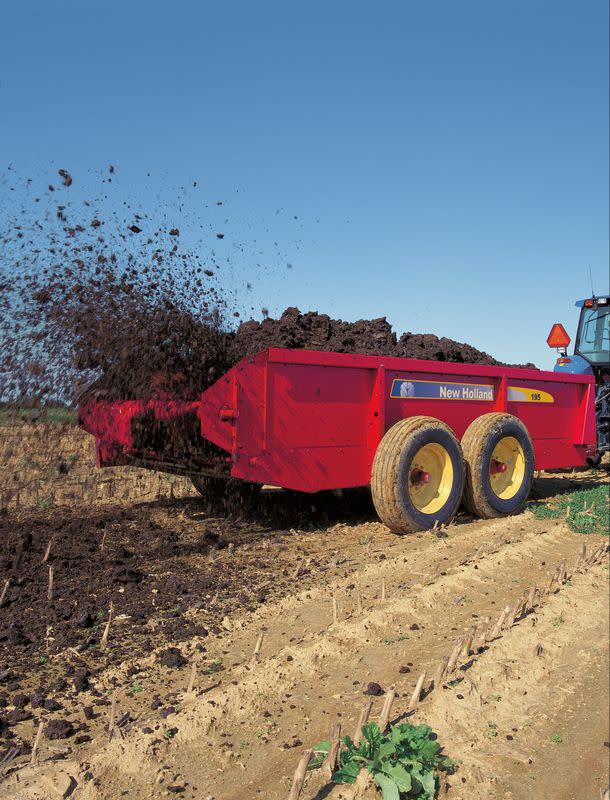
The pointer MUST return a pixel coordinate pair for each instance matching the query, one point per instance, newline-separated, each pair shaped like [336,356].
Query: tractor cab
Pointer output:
[592,345]
[591,357]
[593,336]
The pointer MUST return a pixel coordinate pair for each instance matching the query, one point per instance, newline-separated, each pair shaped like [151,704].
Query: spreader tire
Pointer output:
[499,460]
[418,475]
[207,486]
[225,492]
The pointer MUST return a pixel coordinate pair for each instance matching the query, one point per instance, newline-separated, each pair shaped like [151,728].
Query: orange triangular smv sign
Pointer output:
[558,337]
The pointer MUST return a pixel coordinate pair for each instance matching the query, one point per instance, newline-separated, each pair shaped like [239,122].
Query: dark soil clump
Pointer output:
[58,729]
[172,658]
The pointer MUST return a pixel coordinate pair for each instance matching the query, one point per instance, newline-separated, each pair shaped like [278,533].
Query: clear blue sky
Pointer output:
[447,162]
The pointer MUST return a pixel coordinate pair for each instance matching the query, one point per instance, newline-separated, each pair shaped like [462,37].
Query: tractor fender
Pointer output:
[576,365]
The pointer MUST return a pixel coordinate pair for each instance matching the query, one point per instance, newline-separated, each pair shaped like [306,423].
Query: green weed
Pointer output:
[492,731]
[393,639]
[403,762]
[16,415]
[588,507]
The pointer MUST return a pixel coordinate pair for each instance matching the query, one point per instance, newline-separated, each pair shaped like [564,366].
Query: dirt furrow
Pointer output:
[240,738]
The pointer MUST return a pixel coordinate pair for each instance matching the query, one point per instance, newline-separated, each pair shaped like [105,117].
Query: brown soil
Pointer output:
[190,585]
[123,302]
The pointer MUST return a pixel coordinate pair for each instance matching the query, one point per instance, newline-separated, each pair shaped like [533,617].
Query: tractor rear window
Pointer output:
[594,335]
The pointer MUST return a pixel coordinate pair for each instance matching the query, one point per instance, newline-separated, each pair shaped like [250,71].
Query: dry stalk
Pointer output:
[299,775]
[531,597]
[47,552]
[358,601]
[554,578]
[384,717]
[383,589]
[112,715]
[103,542]
[454,656]
[522,605]
[362,720]
[415,697]
[5,588]
[298,569]
[592,559]
[192,677]
[481,637]
[497,628]
[104,639]
[440,672]
[512,614]
[35,746]
[258,645]
[330,762]
[469,640]
[599,554]
[335,612]
[50,589]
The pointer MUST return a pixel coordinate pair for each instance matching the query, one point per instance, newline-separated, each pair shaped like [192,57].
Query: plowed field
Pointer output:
[336,607]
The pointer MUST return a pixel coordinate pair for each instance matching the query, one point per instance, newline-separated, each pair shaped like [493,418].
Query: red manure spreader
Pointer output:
[425,435]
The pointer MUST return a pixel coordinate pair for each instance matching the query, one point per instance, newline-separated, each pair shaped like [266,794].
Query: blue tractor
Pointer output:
[591,357]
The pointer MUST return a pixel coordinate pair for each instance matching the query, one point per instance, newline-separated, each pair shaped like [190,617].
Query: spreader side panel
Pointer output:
[312,432]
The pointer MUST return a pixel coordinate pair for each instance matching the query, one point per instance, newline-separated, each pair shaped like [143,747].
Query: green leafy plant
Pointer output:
[402,762]
[215,666]
[556,738]
[135,688]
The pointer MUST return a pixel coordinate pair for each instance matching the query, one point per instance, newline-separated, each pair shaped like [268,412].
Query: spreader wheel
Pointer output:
[418,475]
[499,459]
[232,494]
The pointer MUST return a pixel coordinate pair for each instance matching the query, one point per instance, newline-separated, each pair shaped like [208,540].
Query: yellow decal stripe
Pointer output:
[519,394]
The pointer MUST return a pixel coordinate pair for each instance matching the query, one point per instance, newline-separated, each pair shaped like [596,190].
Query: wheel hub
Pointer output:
[418,477]
[507,467]
[430,478]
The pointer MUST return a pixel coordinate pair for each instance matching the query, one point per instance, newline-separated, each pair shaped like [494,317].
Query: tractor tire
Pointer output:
[418,475]
[499,461]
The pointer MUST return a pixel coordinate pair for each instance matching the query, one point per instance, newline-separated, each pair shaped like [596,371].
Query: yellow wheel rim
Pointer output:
[507,468]
[430,478]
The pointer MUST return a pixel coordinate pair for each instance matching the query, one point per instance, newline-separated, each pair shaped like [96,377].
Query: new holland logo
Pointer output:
[433,390]
[408,389]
